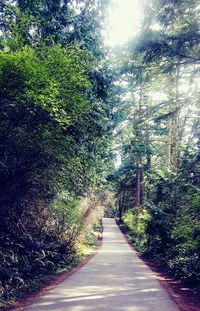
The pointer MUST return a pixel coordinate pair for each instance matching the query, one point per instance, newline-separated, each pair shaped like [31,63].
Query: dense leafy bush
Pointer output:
[25,260]
[55,130]
[50,143]
[30,258]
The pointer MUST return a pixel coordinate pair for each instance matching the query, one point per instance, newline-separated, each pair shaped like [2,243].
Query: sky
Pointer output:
[124,21]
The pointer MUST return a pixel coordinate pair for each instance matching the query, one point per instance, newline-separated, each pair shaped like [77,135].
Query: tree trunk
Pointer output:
[120,205]
[148,160]
[138,184]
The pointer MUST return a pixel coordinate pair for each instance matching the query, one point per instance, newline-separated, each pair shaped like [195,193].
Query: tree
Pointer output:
[161,73]
[64,22]
[55,136]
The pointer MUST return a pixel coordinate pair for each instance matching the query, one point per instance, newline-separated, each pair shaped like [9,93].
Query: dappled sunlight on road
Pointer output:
[114,280]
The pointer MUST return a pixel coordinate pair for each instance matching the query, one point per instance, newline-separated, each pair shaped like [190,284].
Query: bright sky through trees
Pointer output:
[123,22]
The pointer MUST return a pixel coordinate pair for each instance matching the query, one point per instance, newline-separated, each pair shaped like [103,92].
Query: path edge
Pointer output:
[163,279]
[30,299]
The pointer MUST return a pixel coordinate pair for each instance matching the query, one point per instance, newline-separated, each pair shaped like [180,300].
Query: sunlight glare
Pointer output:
[124,21]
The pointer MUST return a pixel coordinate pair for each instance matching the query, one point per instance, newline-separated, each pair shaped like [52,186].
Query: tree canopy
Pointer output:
[158,181]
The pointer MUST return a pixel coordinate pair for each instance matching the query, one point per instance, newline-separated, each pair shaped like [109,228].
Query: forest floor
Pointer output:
[116,279]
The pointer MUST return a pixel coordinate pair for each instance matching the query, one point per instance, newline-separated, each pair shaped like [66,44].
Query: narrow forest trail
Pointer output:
[114,280]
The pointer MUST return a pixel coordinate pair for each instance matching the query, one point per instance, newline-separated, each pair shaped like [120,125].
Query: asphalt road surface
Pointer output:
[115,279]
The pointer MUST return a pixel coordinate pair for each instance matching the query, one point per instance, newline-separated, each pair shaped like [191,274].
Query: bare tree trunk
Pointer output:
[169,142]
[138,195]
[175,128]
[121,206]
[139,190]
[148,160]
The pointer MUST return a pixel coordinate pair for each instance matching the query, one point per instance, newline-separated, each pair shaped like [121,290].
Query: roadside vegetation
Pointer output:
[158,180]
[55,139]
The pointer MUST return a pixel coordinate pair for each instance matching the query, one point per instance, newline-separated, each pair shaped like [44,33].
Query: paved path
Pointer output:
[113,280]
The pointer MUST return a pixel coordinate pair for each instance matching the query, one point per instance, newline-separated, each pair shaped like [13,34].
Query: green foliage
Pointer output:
[26,259]
[32,258]
[137,230]
[53,22]
[159,140]
[129,220]
[35,113]
[55,138]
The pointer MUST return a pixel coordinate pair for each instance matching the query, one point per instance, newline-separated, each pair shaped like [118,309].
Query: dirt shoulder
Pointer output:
[185,298]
